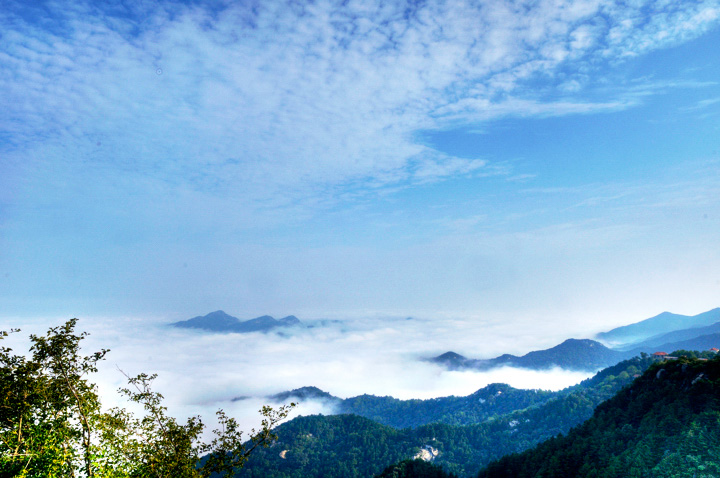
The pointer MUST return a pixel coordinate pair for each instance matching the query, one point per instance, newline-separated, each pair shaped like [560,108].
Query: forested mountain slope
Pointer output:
[349,446]
[667,424]
[491,401]
[414,469]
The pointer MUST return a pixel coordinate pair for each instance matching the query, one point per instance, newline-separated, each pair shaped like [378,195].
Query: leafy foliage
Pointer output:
[52,423]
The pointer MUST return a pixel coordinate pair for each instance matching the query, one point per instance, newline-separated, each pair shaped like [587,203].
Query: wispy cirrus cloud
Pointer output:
[275,102]
[702,104]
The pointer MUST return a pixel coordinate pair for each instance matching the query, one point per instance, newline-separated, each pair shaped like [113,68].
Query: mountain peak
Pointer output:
[572,354]
[219,321]
[216,321]
[289,320]
[450,360]
[662,323]
[303,393]
[580,343]
[217,313]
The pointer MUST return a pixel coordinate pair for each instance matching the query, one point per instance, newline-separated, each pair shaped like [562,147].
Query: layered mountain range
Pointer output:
[647,415]
[572,354]
[663,333]
[654,327]
[462,434]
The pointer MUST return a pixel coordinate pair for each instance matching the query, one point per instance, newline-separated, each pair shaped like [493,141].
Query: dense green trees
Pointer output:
[350,446]
[52,423]
[491,401]
[667,424]
[330,446]
[414,469]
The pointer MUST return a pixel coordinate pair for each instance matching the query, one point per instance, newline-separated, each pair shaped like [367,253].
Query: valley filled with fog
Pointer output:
[200,371]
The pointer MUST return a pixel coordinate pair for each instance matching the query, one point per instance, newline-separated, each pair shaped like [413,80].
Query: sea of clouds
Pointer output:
[200,372]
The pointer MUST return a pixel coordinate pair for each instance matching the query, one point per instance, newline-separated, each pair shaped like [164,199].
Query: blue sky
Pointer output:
[546,162]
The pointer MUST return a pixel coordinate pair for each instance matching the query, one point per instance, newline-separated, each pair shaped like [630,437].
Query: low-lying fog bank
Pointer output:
[200,372]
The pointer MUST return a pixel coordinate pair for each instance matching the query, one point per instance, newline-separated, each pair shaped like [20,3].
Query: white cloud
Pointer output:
[279,102]
[666,24]
[702,104]
[380,356]
[523,108]
[584,37]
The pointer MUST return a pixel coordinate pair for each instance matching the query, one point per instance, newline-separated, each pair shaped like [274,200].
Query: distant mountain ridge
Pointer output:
[219,321]
[665,332]
[573,354]
[676,336]
[664,323]
[697,332]
[704,342]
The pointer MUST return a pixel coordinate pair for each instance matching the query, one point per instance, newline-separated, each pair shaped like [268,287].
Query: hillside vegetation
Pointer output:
[414,469]
[667,424]
[350,446]
[489,402]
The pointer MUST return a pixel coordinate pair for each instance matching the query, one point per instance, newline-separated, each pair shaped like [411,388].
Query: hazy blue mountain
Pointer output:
[664,332]
[658,325]
[572,354]
[660,342]
[704,342]
[452,360]
[219,321]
